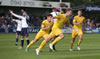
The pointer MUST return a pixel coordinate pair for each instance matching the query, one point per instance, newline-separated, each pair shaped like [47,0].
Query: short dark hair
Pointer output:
[69,9]
[54,8]
[80,10]
[23,9]
[49,15]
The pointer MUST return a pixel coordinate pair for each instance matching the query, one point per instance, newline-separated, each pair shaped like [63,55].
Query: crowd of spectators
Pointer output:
[92,23]
[34,22]
[6,22]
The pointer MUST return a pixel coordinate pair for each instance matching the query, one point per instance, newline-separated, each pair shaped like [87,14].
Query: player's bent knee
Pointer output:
[35,40]
[81,37]
[62,36]
[73,39]
[48,38]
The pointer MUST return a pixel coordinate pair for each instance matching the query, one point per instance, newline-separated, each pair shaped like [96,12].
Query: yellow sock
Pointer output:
[79,42]
[72,44]
[42,45]
[30,44]
[56,40]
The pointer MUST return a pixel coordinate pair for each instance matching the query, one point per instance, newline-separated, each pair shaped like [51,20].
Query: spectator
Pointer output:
[1,20]
[39,22]
[88,23]
[92,24]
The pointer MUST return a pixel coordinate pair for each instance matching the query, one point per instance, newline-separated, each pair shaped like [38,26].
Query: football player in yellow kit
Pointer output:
[78,22]
[44,31]
[55,12]
[56,30]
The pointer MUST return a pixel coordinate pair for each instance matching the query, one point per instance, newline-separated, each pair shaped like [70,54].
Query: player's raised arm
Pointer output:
[57,17]
[60,10]
[18,16]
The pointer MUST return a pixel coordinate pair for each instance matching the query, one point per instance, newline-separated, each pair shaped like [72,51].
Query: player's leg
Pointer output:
[54,44]
[46,39]
[72,42]
[17,38]
[80,40]
[26,35]
[38,36]
[22,38]
[22,41]
[60,36]
[30,44]
[27,39]
[74,35]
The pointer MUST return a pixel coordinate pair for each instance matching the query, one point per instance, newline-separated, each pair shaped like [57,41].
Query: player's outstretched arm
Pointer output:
[18,16]
[60,10]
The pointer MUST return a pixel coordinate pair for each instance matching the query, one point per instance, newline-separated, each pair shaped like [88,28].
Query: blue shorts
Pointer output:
[18,32]
[24,32]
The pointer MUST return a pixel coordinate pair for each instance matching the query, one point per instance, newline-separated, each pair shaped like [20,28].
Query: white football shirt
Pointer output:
[19,24]
[23,20]
[55,14]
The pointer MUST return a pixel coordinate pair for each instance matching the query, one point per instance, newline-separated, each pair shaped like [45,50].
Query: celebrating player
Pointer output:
[24,30]
[78,22]
[55,12]
[56,30]
[44,31]
[19,27]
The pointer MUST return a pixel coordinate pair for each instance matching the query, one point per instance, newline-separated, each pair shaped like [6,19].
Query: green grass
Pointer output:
[90,48]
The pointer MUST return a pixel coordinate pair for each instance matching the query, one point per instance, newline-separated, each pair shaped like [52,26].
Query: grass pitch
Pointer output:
[90,48]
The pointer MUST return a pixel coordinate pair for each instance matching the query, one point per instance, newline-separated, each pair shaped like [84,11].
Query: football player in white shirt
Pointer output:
[55,12]
[24,30]
[25,14]
[18,30]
